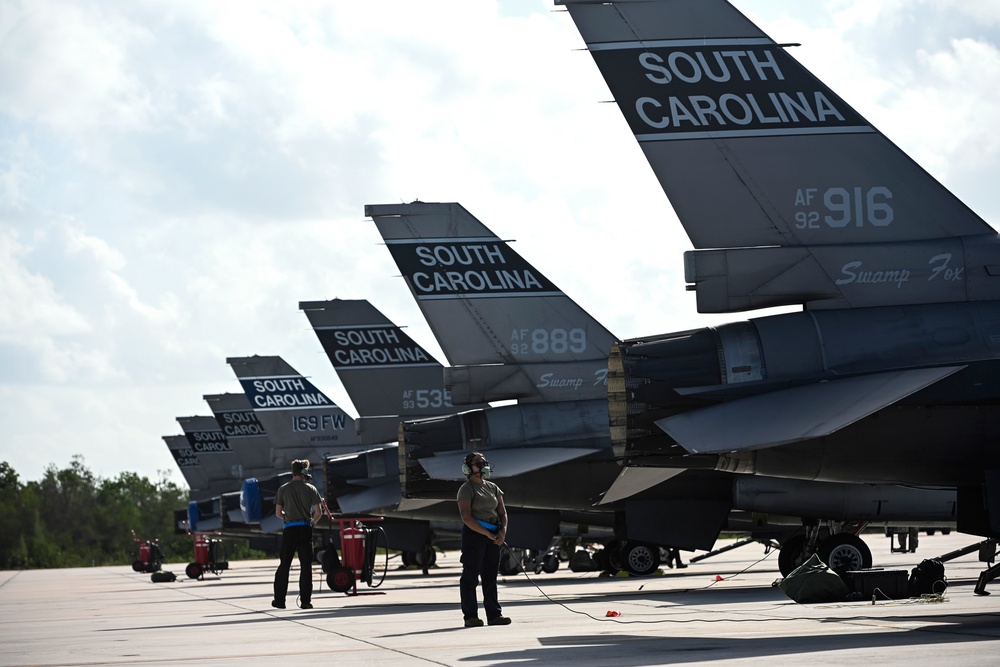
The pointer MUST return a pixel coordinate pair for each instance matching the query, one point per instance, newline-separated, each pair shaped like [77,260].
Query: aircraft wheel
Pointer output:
[614,549]
[510,561]
[424,559]
[607,559]
[844,552]
[640,559]
[340,579]
[194,570]
[550,563]
[792,554]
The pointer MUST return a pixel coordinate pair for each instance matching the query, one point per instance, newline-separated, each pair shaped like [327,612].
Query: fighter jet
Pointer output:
[471,285]
[390,378]
[889,374]
[226,468]
[303,422]
[300,420]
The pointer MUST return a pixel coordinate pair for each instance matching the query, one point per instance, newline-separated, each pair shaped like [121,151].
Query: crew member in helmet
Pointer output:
[480,503]
[298,505]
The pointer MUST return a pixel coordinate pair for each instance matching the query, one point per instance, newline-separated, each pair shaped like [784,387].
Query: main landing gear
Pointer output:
[842,552]
[638,558]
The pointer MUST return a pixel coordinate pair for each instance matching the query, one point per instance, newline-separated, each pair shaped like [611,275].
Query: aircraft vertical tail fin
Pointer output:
[190,467]
[789,195]
[388,376]
[300,420]
[243,431]
[512,332]
[213,450]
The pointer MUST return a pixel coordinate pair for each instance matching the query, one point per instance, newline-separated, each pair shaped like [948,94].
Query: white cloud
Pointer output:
[175,176]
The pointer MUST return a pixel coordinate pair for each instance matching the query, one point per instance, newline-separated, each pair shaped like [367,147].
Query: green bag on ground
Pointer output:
[814,582]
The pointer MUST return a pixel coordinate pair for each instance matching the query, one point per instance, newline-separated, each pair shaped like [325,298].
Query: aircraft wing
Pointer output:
[506,462]
[790,415]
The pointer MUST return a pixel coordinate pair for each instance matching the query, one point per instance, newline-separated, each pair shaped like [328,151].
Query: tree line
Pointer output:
[72,518]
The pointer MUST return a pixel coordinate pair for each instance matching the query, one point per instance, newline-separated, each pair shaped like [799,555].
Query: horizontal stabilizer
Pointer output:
[369,500]
[505,462]
[790,415]
[271,524]
[634,479]
[376,430]
[416,504]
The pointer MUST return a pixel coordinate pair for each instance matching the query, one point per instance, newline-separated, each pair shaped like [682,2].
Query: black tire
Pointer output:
[603,559]
[406,557]
[194,570]
[153,567]
[792,554]
[614,549]
[510,562]
[550,563]
[425,559]
[138,566]
[340,579]
[640,559]
[845,552]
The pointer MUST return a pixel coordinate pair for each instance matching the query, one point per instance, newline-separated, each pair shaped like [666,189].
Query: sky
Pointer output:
[177,175]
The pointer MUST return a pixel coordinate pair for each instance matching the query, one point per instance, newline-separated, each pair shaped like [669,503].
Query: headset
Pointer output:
[485,470]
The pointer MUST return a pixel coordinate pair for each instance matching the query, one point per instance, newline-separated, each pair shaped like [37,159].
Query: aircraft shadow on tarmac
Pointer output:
[942,628]
[609,649]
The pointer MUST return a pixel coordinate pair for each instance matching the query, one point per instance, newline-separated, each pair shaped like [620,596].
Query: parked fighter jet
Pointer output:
[226,468]
[460,271]
[891,374]
[510,334]
[303,422]
[389,378]
[388,374]
[300,420]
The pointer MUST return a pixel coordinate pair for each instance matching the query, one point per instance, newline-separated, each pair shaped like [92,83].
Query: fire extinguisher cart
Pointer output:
[209,554]
[149,557]
[358,545]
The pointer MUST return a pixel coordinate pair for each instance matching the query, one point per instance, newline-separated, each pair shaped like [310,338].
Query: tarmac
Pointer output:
[720,610]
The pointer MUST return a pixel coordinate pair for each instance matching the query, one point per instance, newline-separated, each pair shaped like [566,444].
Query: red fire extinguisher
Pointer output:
[353,546]
[201,550]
